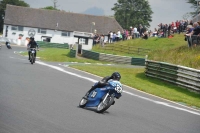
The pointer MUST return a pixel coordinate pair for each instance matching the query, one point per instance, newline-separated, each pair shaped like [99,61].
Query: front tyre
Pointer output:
[83,103]
[32,60]
[104,106]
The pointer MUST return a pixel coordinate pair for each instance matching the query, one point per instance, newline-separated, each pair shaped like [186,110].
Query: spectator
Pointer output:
[169,30]
[135,32]
[155,33]
[194,34]
[145,35]
[111,37]
[118,35]
[189,29]
[190,23]
[102,40]
[114,36]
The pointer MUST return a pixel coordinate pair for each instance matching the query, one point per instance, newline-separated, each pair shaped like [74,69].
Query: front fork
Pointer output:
[105,98]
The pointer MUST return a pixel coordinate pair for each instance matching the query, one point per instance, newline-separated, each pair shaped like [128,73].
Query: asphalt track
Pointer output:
[44,97]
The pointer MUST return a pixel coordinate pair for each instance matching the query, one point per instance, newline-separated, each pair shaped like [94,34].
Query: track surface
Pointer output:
[44,97]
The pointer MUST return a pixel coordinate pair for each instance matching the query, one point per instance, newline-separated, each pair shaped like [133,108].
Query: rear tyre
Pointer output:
[104,106]
[83,103]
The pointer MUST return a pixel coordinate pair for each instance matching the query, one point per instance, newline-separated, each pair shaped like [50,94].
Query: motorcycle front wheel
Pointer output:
[104,106]
[32,58]
[83,103]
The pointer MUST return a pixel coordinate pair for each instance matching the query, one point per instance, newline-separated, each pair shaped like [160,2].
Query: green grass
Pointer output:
[59,55]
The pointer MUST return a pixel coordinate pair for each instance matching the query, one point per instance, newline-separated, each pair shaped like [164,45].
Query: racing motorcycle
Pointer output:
[103,98]
[8,45]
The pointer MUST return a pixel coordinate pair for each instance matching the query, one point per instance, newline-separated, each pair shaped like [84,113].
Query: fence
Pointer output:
[52,45]
[72,53]
[182,76]
[113,58]
[127,49]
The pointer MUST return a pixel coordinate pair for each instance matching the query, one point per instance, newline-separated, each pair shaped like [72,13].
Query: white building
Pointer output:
[54,26]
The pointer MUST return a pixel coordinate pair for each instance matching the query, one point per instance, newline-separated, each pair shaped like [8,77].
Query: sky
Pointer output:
[165,11]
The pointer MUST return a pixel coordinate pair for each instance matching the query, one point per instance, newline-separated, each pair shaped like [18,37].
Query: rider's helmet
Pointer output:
[116,76]
[31,38]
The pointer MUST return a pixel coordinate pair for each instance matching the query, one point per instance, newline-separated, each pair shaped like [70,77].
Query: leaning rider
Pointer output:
[32,44]
[103,82]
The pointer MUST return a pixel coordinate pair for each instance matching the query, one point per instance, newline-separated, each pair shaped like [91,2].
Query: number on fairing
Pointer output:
[33,52]
[118,89]
[94,93]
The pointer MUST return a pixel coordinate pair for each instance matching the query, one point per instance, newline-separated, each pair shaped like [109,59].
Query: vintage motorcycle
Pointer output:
[8,45]
[103,98]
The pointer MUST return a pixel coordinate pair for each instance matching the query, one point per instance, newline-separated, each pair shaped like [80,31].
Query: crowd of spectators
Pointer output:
[163,30]
[113,36]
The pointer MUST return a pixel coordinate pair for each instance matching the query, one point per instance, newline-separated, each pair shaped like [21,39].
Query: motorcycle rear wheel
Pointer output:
[104,106]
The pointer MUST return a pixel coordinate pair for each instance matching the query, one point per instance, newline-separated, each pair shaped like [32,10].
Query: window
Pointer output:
[14,27]
[82,41]
[65,34]
[19,28]
[43,31]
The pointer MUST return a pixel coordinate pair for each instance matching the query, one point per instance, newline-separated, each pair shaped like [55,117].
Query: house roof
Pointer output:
[58,20]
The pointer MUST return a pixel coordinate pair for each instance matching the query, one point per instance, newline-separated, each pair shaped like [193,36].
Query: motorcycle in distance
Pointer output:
[103,98]
[8,45]
[32,55]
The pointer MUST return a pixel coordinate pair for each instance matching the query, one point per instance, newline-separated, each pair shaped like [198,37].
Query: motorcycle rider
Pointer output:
[104,82]
[32,44]
[8,45]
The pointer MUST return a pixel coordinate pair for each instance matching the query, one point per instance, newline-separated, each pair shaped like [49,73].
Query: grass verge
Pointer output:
[60,55]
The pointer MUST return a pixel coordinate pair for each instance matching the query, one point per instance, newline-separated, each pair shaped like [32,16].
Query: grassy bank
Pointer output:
[170,50]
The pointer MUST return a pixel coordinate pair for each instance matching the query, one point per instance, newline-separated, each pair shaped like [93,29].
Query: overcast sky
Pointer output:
[165,11]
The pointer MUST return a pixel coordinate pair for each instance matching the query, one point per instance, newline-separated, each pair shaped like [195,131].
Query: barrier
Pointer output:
[113,58]
[182,76]
[127,49]
[72,53]
[52,45]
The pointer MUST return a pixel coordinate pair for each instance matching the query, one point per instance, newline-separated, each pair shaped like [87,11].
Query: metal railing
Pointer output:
[113,58]
[182,76]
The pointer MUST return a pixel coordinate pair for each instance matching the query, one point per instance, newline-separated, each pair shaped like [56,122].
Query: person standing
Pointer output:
[135,32]
[111,37]
[102,40]
[118,35]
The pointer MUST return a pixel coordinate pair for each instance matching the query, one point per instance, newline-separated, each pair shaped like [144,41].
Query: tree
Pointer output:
[194,5]
[50,8]
[132,13]
[3,4]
